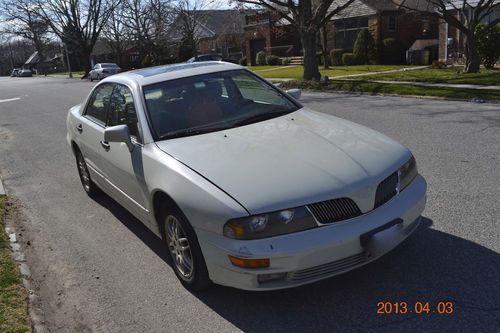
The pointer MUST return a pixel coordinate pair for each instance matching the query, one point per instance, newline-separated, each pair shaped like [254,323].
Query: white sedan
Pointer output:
[246,187]
[103,70]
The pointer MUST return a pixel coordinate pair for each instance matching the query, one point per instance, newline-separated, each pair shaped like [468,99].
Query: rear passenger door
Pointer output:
[90,130]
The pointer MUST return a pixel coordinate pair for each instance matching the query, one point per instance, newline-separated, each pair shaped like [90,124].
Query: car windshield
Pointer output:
[212,102]
[109,65]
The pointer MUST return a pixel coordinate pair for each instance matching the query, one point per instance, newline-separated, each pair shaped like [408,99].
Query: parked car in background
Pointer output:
[247,187]
[102,70]
[15,72]
[25,73]
[205,57]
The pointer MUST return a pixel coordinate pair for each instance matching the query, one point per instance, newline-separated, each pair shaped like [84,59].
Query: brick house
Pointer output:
[265,31]
[218,31]
[383,18]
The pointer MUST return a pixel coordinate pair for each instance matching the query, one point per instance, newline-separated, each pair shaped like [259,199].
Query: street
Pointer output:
[96,268]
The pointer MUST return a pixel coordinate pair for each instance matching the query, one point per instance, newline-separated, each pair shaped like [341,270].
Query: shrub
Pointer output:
[272,60]
[260,58]
[392,52]
[243,61]
[348,59]
[488,44]
[364,47]
[336,56]
[286,61]
[438,64]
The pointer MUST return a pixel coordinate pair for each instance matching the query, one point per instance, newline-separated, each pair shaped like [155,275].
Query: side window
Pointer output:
[122,110]
[99,101]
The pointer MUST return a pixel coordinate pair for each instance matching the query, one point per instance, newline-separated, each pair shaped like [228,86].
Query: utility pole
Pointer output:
[11,57]
[67,60]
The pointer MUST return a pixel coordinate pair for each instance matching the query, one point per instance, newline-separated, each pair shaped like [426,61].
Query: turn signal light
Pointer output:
[249,263]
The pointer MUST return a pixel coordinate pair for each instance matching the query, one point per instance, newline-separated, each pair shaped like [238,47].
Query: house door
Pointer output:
[256,45]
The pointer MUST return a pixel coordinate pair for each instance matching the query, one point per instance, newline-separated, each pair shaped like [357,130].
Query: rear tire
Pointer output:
[184,252]
[91,78]
[88,185]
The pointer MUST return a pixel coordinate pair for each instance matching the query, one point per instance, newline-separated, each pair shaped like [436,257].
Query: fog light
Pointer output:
[249,263]
[264,278]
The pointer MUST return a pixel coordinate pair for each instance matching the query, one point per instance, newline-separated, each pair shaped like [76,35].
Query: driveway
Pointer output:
[96,268]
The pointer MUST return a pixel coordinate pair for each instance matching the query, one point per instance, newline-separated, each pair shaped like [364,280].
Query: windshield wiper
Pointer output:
[260,117]
[192,131]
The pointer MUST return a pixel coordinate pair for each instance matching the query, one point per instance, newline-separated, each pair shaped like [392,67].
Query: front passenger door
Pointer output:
[123,168]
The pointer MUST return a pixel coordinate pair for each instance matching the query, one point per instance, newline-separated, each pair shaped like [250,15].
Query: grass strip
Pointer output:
[397,89]
[13,297]
[446,75]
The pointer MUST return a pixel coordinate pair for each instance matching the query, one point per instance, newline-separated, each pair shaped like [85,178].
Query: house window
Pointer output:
[392,23]
[346,31]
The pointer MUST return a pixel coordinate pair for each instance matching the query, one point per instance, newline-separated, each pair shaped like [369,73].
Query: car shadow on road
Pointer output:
[430,266]
[134,225]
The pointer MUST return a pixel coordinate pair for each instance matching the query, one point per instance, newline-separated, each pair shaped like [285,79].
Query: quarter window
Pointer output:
[122,110]
[99,101]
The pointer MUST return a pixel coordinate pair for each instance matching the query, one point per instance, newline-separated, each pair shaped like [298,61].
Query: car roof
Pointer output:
[156,74]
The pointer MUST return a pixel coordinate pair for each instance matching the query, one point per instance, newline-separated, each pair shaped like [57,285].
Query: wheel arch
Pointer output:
[162,202]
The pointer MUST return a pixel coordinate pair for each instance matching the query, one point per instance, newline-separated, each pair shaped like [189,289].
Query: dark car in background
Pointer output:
[15,72]
[25,73]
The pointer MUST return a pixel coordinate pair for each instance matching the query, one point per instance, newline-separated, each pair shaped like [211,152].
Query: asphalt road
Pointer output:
[96,268]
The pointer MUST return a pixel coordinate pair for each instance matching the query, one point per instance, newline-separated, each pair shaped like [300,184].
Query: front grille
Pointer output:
[386,190]
[330,268]
[334,210]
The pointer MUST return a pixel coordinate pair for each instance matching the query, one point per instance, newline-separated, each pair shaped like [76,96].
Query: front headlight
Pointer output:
[407,173]
[270,224]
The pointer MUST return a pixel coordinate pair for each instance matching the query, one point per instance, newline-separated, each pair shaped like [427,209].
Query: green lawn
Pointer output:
[447,75]
[77,74]
[13,298]
[296,72]
[399,89]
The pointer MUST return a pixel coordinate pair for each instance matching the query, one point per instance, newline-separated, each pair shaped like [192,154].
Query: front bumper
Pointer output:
[319,253]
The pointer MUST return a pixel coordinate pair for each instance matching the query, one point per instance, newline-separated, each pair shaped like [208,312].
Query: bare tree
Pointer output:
[115,34]
[146,24]
[464,15]
[307,17]
[21,18]
[189,17]
[78,23]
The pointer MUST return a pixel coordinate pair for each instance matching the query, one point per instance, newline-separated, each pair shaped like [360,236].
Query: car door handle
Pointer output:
[79,128]
[105,145]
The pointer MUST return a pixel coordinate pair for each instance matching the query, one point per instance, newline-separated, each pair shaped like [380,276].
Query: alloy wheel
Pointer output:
[84,174]
[179,248]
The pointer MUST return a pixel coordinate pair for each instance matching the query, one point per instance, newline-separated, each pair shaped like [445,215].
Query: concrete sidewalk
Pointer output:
[438,85]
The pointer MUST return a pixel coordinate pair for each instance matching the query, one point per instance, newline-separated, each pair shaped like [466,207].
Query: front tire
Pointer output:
[184,251]
[88,185]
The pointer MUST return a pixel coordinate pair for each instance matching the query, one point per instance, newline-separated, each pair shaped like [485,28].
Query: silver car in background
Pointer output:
[103,70]
[246,187]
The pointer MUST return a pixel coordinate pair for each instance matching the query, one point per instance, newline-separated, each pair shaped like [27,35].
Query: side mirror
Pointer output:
[118,133]
[295,93]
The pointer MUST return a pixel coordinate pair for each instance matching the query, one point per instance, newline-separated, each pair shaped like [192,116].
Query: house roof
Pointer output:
[372,7]
[216,22]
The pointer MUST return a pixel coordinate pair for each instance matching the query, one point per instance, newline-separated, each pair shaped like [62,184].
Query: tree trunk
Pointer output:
[308,39]
[324,47]
[85,60]
[472,59]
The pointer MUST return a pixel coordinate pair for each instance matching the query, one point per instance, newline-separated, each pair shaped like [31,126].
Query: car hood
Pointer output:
[296,159]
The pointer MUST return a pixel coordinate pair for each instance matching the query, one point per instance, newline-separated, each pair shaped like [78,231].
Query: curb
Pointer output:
[2,189]
[439,98]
